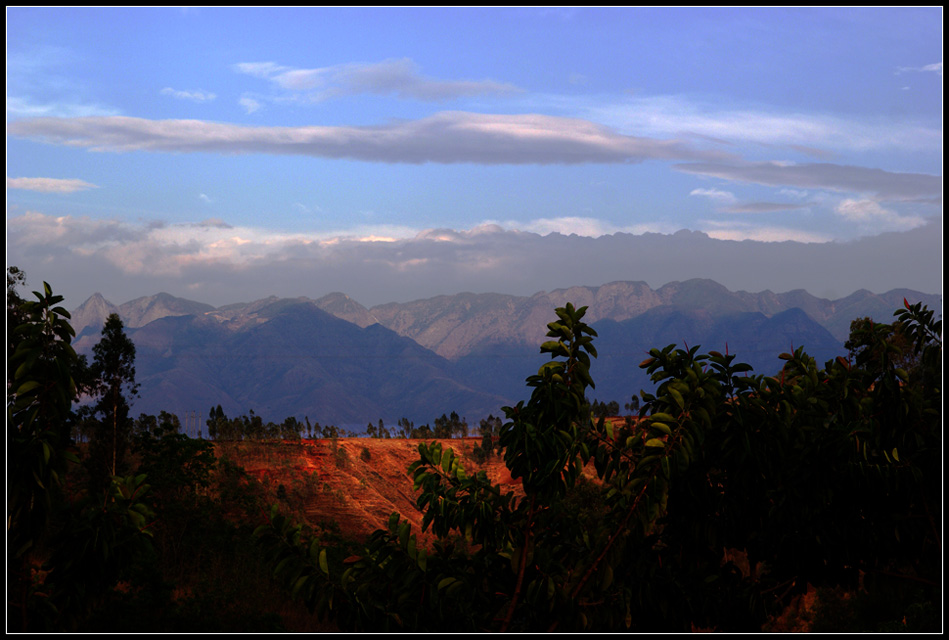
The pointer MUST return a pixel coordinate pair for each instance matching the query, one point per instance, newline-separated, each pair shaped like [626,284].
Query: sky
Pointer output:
[228,154]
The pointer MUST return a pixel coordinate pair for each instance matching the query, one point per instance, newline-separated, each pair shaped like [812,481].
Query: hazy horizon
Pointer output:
[366,293]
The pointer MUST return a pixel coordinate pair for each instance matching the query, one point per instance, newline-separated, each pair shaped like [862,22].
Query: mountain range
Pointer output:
[335,361]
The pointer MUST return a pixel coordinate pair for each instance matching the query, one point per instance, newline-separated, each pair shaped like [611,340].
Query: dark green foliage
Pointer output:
[604,409]
[15,317]
[291,429]
[112,385]
[179,468]
[101,542]
[216,422]
[489,429]
[633,405]
[61,556]
[105,561]
[730,495]
[40,391]
[450,426]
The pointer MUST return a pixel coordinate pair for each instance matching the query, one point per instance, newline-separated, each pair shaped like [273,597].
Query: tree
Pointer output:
[216,422]
[604,409]
[113,385]
[61,556]
[291,428]
[489,428]
[450,426]
[15,315]
[813,476]
[40,391]
[403,586]
[406,427]
[422,433]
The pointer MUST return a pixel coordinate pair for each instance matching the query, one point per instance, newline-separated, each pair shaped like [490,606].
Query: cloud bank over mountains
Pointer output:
[221,263]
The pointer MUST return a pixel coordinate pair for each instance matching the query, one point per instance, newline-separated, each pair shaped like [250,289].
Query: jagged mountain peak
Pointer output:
[342,306]
[92,313]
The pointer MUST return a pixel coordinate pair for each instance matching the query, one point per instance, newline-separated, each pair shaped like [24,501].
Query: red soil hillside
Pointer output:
[356,482]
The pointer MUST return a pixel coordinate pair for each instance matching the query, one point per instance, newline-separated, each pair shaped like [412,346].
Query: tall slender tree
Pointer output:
[113,385]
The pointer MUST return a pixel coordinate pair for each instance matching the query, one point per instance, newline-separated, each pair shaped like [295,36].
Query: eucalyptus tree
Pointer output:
[112,386]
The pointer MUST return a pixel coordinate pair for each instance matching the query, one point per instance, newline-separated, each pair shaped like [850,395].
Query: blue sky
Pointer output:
[227,154]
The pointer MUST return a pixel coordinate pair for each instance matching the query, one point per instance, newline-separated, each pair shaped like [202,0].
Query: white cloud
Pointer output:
[249,105]
[400,78]
[871,216]
[205,198]
[811,133]
[739,232]
[445,137]
[570,225]
[50,185]
[935,67]
[730,204]
[194,96]
[715,194]
[18,107]
[260,69]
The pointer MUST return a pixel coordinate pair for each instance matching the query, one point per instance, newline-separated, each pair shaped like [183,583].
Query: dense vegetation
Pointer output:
[139,529]
[730,495]
[828,476]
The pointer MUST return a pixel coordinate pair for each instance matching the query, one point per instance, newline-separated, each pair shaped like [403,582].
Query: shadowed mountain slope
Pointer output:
[333,360]
[301,362]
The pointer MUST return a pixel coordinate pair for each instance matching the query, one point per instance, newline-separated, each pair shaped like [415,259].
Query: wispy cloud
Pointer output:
[249,105]
[724,197]
[399,78]
[741,232]
[446,137]
[580,226]
[20,107]
[814,134]
[886,185]
[871,215]
[729,203]
[936,68]
[193,96]
[763,207]
[42,81]
[50,185]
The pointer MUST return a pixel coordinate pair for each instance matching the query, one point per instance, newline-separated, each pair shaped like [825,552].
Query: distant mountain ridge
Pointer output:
[456,325]
[334,360]
[301,362]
